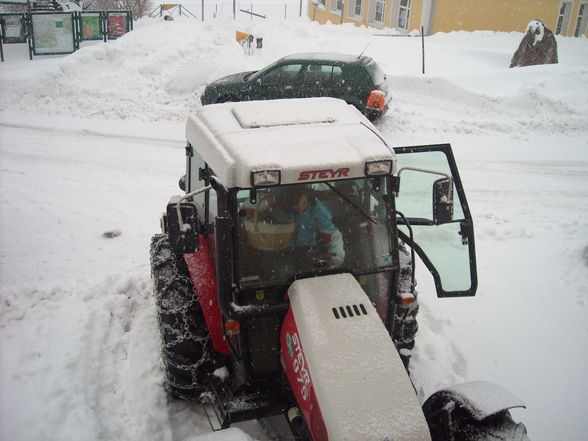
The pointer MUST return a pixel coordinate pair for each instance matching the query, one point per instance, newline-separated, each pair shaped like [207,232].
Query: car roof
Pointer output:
[328,57]
[290,135]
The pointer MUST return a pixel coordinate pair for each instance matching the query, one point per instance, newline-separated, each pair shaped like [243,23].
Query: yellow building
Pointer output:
[565,17]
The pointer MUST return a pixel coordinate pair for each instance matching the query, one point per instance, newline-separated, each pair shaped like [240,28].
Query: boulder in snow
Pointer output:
[537,47]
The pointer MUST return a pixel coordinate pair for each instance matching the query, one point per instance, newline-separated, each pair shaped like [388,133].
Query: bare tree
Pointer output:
[139,8]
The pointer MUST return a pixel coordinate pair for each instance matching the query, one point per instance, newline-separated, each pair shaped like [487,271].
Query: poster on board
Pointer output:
[91,26]
[117,23]
[53,33]
[13,28]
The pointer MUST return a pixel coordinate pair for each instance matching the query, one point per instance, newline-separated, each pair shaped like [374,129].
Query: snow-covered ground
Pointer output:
[93,143]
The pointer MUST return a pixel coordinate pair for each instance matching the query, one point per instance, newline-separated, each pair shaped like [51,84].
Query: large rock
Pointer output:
[537,47]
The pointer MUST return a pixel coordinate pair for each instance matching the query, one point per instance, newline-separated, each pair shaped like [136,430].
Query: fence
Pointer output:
[238,10]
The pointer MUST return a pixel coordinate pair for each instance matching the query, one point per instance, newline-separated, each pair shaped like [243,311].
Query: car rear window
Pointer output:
[378,75]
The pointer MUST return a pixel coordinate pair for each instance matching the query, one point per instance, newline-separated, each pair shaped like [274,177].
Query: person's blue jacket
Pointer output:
[308,224]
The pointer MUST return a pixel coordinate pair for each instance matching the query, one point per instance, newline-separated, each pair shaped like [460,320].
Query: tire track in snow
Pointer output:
[86,362]
[97,133]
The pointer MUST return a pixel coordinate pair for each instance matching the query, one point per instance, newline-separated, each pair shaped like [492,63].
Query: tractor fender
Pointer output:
[480,398]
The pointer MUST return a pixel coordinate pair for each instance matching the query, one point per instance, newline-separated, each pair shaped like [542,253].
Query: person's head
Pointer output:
[297,200]
[300,203]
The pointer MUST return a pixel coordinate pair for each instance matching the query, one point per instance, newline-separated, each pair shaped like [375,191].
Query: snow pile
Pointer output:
[93,143]
[538,29]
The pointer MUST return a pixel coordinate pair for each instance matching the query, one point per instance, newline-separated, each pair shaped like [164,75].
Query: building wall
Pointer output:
[454,15]
[415,19]
[493,15]
[323,14]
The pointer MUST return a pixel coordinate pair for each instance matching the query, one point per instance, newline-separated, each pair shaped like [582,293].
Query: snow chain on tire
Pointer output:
[405,321]
[186,351]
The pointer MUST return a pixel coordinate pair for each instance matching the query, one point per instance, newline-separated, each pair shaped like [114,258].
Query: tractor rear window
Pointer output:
[303,229]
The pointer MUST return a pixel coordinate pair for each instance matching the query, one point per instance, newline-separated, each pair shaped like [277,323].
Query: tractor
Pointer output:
[284,276]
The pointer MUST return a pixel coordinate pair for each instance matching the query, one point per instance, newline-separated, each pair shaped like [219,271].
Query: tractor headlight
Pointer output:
[378,168]
[265,178]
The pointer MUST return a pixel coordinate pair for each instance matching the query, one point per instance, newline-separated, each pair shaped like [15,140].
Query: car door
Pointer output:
[283,81]
[321,80]
[357,86]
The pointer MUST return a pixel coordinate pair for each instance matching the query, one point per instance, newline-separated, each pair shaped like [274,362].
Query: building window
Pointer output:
[404,14]
[358,8]
[581,21]
[355,8]
[380,8]
[564,18]
[322,3]
[336,5]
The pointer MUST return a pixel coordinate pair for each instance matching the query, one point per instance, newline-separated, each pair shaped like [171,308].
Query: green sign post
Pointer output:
[53,33]
[118,23]
[60,33]
[14,28]
[91,26]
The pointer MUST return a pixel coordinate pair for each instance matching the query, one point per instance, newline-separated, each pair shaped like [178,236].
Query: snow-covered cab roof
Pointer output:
[299,140]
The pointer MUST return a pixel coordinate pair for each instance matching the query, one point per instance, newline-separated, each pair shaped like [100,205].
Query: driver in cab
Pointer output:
[314,225]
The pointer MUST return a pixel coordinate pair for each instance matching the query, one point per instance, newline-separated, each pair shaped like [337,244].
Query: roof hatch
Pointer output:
[270,115]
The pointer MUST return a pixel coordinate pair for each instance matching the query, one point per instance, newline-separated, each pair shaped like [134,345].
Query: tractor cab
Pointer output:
[297,232]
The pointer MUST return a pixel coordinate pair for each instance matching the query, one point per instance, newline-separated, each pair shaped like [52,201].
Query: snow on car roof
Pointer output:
[307,139]
[327,56]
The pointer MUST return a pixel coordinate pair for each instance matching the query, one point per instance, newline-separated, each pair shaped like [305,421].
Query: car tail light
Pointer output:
[376,100]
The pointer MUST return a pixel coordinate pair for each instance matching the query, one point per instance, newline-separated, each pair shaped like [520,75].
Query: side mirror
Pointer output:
[442,201]
[182,183]
[183,238]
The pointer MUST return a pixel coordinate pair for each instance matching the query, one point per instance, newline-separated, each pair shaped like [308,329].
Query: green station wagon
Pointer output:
[357,80]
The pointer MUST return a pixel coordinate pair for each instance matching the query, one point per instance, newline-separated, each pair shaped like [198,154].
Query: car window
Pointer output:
[376,73]
[322,75]
[284,75]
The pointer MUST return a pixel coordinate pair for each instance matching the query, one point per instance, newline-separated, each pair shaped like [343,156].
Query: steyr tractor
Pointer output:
[284,277]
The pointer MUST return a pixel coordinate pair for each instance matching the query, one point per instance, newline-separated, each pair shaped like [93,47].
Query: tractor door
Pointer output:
[433,217]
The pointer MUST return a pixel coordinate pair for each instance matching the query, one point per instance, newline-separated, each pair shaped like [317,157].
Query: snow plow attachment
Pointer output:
[474,411]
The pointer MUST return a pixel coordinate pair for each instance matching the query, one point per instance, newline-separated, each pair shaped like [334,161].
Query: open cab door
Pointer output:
[433,217]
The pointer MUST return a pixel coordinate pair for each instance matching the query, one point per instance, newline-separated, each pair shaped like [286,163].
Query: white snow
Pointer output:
[487,398]
[538,28]
[93,142]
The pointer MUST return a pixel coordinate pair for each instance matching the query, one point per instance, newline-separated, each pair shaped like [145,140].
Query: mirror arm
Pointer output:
[423,170]
[411,246]
[185,227]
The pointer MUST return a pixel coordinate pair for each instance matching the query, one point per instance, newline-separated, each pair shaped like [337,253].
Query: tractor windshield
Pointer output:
[297,230]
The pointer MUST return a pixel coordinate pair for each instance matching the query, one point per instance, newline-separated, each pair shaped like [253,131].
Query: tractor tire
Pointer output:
[405,325]
[187,355]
